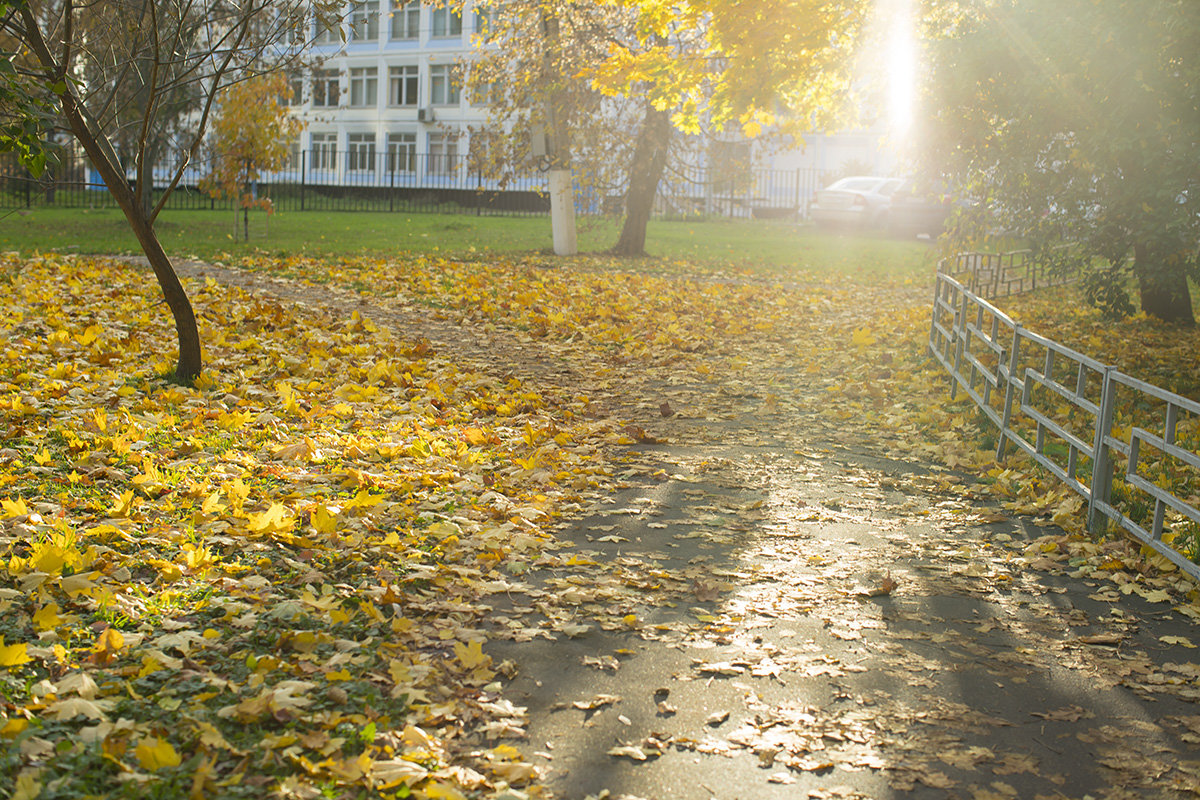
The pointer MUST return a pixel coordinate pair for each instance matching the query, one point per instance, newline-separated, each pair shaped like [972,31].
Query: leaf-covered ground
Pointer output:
[294,577]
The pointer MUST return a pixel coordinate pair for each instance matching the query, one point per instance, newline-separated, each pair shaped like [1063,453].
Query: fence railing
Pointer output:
[993,275]
[366,179]
[1127,447]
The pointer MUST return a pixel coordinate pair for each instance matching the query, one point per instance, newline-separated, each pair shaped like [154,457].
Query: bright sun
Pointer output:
[900,65]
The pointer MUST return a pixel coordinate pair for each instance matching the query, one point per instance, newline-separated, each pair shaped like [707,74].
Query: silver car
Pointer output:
[859,202]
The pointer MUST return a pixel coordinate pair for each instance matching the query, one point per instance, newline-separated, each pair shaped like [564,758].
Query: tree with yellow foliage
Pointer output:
[251,135]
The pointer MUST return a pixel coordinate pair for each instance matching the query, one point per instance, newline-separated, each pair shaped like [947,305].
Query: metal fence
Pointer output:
[1127,447]
[364,179]
[993,275]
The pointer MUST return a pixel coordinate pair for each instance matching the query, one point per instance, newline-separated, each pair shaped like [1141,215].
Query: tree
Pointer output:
[25,111]
[163,48]
[635,72]
[251,135]
[1074,123]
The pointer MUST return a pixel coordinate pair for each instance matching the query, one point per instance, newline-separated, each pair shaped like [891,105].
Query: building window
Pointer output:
[406,20]
[325,87]
[328,30]
[402,152]
[402,85]
[443,153]
[364,86]
[364,21]
[296,91]
[483,24]
[446,22]
[324,151]
[443,85]
[360,152]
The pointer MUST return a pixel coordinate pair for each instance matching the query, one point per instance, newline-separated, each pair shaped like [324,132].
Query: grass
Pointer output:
[767,246]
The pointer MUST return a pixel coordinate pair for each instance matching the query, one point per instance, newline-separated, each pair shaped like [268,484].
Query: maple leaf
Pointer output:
[13,655]
[471,655]
[154,754]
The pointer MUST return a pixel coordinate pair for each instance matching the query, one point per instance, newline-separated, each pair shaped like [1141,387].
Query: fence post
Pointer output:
[391,162]
[303,172]
[1009,390]
[960,335]
[1101,490]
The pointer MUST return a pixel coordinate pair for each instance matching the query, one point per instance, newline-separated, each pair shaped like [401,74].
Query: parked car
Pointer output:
[859,202]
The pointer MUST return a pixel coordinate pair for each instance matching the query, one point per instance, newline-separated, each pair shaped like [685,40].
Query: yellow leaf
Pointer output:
[443,791]
[274,519]
[12,655]
[107,645]
[14,508]
[862,338]
[324,520]
[154,754]
[1182,641]
[43,458]
[27,787]
[122,506]
[339,675]
[471,655]
[47,617]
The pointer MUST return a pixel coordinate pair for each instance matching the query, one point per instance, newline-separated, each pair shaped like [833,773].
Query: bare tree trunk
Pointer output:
[645,171]
[1162,284]
[190,358]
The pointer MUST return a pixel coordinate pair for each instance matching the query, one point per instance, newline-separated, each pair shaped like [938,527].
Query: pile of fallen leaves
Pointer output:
[270,581]
[274,581]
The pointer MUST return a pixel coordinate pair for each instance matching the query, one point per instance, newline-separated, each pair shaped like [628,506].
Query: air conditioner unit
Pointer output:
[425,114]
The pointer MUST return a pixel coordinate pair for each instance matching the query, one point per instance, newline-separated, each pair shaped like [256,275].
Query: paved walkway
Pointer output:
[768,608]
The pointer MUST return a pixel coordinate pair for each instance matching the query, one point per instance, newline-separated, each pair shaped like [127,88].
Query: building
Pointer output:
[384,110]
[386,98]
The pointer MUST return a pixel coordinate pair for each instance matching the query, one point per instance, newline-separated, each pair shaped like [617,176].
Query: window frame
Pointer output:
[364,14]
[405,17]
[322,147]
[360,151]
[451,91]
[402,149]
[409,79]
[448,20]
[326,79]
[364,87]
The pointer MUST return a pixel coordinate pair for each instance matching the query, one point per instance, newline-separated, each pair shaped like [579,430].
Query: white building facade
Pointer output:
[385,107]
[386,98]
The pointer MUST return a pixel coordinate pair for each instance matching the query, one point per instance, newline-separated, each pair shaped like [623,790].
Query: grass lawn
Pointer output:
[753,244]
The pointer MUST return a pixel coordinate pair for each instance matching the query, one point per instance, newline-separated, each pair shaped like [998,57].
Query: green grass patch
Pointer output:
[767,246]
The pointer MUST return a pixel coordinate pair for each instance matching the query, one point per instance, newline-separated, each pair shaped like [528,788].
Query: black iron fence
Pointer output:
[363,179]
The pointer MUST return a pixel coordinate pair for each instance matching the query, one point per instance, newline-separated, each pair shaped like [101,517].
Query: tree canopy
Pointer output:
[1074,123]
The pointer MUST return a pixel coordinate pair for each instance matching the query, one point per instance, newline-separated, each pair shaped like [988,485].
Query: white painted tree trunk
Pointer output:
[562,212]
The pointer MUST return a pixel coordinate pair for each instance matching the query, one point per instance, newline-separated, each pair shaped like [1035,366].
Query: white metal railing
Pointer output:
[993,275]
[1128,447]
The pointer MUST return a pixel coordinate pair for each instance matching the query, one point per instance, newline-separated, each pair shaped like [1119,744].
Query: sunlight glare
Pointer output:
[901,67]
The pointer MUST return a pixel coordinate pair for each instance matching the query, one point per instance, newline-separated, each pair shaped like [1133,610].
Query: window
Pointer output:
[324,151]
[364,86]
[325,87]
[328,30]
[402,152]
[443,85]
[483,24]
[487,93]
[360,152]
[402,85]
[364,21]
[406,20]
[443,153]
[295,91]
[446,22]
